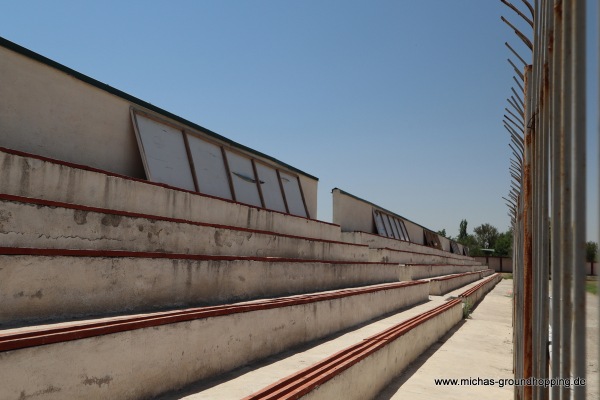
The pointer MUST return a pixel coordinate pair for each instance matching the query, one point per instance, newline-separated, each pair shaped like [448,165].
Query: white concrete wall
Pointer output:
[365,379]
[45,111]
[439,287]
[46,288]
[352,214]
[143,363]
[48,112]
[30,225]
[32,177]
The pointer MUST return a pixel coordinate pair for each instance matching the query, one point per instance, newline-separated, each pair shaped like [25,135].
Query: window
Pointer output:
[432,240]
[390,226]
[454,248]
[178,157]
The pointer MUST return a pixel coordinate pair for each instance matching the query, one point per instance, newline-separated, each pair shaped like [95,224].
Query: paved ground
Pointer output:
[592,339]
[480,347]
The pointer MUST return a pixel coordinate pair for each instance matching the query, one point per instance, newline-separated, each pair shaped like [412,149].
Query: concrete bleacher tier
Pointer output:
[118,288]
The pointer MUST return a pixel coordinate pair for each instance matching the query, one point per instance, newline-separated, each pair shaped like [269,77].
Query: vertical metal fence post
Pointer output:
[527,239]
[578,195]
[553,154]
[556,192]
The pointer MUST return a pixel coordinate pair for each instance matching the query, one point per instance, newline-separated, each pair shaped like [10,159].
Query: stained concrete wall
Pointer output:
[61,287]
[35,178]
[47,111]
[143,363]
[43,226]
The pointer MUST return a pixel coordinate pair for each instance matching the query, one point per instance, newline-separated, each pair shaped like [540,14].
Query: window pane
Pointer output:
[271,190]
[394,227]
[210,168]
[165,153]
[388,226]
[244,181]
[379,223]
[293,196]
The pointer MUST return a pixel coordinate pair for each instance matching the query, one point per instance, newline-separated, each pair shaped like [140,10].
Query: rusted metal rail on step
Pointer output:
[302,382]
[81,330]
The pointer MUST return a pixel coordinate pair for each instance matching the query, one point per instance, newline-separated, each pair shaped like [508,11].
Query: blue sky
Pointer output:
[398,102]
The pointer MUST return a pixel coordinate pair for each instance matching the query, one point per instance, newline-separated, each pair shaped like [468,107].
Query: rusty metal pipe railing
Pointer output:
[547,189]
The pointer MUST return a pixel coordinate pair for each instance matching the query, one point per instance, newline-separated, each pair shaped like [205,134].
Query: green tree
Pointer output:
[442,233]
[591,252]
[471,242]
[504,244]
[486,236]
[462,231]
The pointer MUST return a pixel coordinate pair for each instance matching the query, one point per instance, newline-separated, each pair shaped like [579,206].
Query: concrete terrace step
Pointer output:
[40,223]
[379,242]
[30,175]
[445,284]
[474,294]
[412,257]
[275,370]
[140,356]
[38,285]
[425,271]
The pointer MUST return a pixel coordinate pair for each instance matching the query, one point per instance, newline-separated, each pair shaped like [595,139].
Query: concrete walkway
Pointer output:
[480,347]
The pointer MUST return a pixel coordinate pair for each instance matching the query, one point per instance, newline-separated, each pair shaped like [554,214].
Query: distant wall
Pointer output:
[49,110]
[505,264]
[355,214]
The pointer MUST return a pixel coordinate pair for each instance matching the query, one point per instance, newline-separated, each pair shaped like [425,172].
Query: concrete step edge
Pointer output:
[31,337]
[308,379]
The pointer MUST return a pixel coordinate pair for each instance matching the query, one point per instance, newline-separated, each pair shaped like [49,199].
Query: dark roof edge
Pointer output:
[103,86]
[383,209]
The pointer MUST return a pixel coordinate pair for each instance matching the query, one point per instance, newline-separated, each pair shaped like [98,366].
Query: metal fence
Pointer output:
[546,121]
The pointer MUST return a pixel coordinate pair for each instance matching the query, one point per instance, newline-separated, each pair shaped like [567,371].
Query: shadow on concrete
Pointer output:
[206,384]
[413,367]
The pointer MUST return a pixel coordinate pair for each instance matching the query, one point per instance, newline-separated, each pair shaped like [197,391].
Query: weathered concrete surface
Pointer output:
[423,271]
[45,288]
[245,381]
[380,242]
[443,285]
[32,177]
[409,257]
[146,362]
[250,379]
[478,347]
[369,376]
[41,226]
